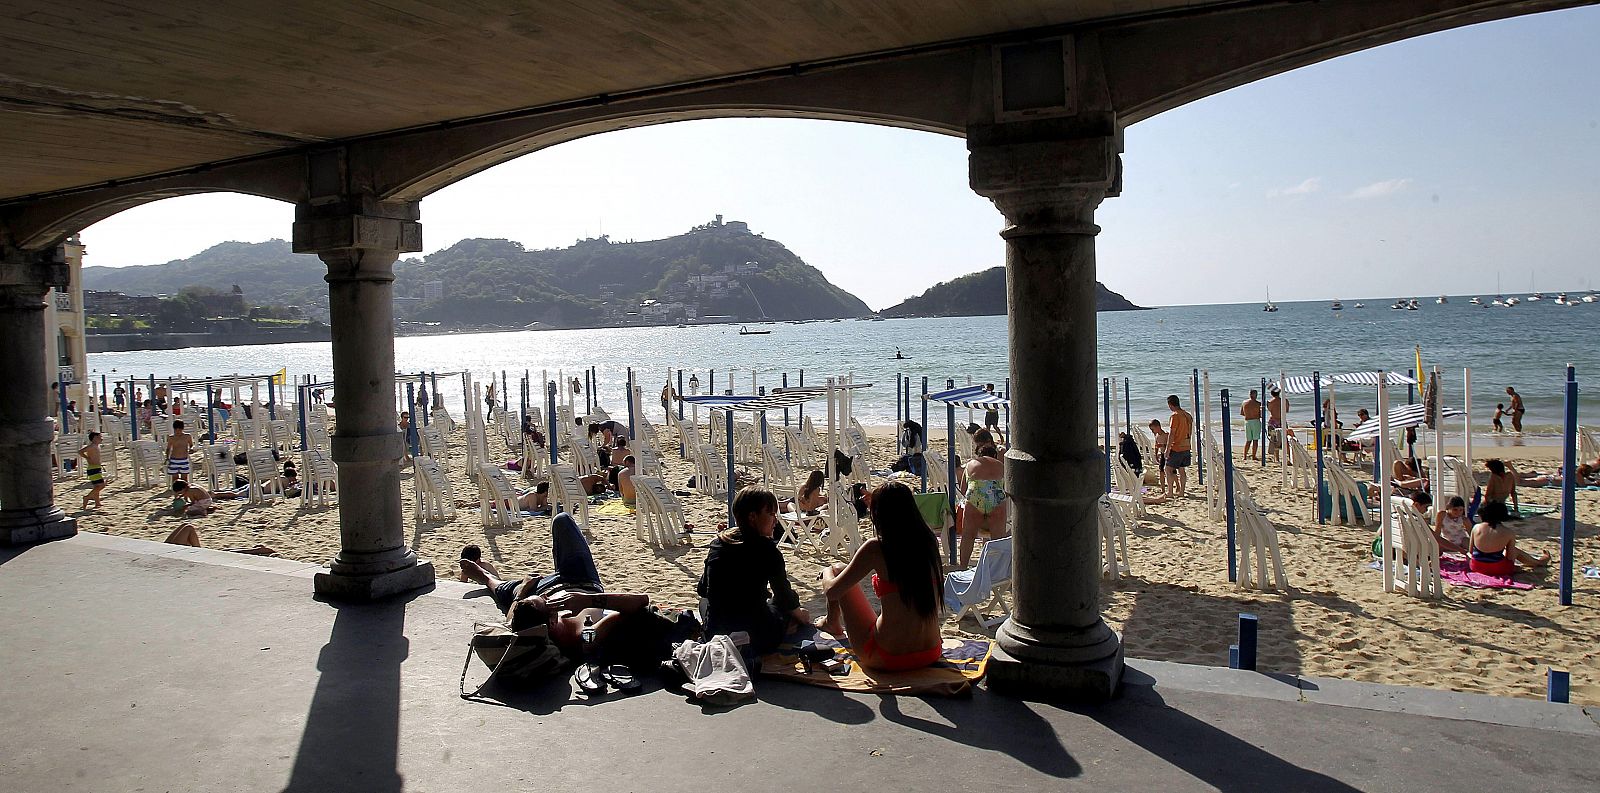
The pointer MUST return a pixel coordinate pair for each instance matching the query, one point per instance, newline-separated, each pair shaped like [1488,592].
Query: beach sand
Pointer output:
[1177,605]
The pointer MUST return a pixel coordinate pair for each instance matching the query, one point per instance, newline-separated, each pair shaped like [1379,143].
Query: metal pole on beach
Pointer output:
[211,419]
[1466,426]
[104,394]
[133,411]
[1316,431]
[631,417]
[1411,388]
[951,440]
[550,418]
[1127,407]
[1266,438]
[728,444]
[950,468]
[1227,487]
[897,450]
[1378,454]
[1569,453]
[1105,403]
[411,426]
[1194,431]
[801,411]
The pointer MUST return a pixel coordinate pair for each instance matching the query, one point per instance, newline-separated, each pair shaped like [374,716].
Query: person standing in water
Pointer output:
[1516,409]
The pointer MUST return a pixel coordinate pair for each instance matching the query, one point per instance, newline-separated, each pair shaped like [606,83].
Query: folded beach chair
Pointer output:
[317,436]
[938,472]
[441,418]
[280,436]
[220,468]
[1343,499]
[319,478]
[566,493]
[435,499]
[115,431]
[1113,539]
[1588,446]
[855,442]
[644,431]
[161,429]
[1413,551]
[719,427]
[776,473]
[1147,448]
[798,448]
[1260,561]
[711,472]
[65,448]
[648,460]
[535,462]
[262,471]
[689,435]
[971,591]
[433,445]
[964,448]
[1302,467]
[497,499]
[565,428]
[1127,487]
[658,517]
[149,463]
[585,460]
[746,443]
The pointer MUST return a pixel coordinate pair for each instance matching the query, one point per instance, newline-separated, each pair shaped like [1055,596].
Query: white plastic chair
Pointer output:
[968,591]
[149,463]
[1413,551]
[319,478]
[658,517]
[566,492]
[433,445]
[497,499]
[1260,561]
[263,474]
[66,453]
[435,500]
[1113,539]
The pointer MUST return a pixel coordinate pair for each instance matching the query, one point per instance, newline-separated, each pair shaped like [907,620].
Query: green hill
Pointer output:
[719,269]
[981,294]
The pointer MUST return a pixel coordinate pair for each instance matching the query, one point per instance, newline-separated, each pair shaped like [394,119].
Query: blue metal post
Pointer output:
[728,417]
[711,381]
[1105,404]
[427,415]
[1316,430]
[133,411]
[1266,437]
[411,426]
[211,417]
[1227,487]
[1197,442]
[152,392]
[1247,642]
[550,419]
[925,435]
[1569,438]
[897,407]
[949,470]
[272,398]
[1411,388]
[631,417]
[104,395]
[1558,685]
[1127,408]
[61,393]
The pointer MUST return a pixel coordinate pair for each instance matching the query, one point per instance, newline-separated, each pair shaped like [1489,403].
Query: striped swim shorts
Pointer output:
[177,466]
[94,475]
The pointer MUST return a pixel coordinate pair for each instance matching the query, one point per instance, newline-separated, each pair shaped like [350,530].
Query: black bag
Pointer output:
[644,639]
[514,658]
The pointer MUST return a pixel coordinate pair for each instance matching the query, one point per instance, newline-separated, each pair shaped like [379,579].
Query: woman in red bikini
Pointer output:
[904,562]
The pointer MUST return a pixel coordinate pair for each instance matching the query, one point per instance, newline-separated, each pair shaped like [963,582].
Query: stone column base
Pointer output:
[1086,682]
[25,526]
[363,588]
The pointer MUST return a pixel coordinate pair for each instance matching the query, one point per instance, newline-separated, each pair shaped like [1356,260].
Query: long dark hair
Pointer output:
[910,551]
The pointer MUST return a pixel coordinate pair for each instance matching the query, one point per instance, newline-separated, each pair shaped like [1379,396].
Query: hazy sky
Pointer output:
[1433,165]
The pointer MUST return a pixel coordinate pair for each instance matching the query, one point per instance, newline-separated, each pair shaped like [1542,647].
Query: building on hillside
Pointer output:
[432,290]
[64,324]
[100,304]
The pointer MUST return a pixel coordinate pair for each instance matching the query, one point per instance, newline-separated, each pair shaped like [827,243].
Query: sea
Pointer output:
[1156,351]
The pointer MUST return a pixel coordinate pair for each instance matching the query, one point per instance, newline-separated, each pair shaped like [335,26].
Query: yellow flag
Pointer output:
[1422,377]
[282,377]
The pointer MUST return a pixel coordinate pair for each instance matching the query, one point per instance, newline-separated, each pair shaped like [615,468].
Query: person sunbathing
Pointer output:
[985,504]
[1502,485]
[1450,527]
[810,498]
[1493,547]
[1583,476]
[189,534]
[1404,476]
[475,554]
[742,566]
[531,500]
[625,475]
[906,570]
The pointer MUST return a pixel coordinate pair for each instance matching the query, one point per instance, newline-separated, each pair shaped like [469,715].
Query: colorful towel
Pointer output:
[613,507]
[965,661]
[1535,510]
[1456,571]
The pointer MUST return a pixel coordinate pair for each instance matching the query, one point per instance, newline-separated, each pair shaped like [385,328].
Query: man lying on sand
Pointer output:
[189,534]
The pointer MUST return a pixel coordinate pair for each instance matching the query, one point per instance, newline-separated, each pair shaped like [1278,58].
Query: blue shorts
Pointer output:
[1177,460]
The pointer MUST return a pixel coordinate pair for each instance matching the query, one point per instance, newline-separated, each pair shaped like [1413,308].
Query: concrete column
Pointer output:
[1047,180]
[27,499]
[360,240]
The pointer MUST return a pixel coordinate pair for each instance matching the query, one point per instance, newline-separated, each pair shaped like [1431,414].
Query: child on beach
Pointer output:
[191,500]
[179,444]
[1499,413]
[1450,527]
[92,472]
[1161,451]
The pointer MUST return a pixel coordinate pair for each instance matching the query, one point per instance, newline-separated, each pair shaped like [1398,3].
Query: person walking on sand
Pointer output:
[179,444]
[91,470]
[1251,410]
[1178,448]
[1160,444]
[1516,409]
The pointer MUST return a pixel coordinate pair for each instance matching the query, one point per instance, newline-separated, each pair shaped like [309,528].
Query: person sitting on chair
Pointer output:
[906,570]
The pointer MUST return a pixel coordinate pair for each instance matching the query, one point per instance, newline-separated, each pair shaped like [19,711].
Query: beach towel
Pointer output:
[1535,510]
[1455,571]
[965,661]
[615,508]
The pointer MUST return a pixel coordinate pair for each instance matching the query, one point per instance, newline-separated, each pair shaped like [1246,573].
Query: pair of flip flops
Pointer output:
[594,679]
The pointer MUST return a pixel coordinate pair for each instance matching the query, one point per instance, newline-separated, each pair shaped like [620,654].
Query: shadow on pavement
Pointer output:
[1211,755]
[352,735]
[996,723]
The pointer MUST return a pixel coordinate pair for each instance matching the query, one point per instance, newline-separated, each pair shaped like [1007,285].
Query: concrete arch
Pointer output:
[45,223]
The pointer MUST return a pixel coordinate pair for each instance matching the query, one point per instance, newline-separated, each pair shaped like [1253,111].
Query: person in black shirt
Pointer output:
[1129,449]
[742,564]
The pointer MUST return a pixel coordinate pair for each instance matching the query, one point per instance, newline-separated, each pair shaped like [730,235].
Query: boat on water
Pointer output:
[1399,305]
[1561,299]
[1359,305]
[1477,301]
[1337,306]
[1536,296]
[1413,305]
[1442,300]
[1512,301]
[744,331]
[1269,307]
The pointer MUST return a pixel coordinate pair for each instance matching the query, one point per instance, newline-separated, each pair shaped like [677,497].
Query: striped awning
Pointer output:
[776,400]
[1302,384]
[972,396]
[1400,418]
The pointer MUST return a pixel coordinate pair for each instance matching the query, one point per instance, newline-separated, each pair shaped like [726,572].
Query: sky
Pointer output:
[1434,165]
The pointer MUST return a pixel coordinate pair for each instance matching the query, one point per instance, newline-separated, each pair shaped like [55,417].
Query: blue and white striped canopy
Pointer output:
[776,400]
[1302,384]
[1400,418]
[972,396]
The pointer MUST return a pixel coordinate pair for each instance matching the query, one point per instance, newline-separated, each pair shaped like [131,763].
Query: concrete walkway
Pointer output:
[136,666]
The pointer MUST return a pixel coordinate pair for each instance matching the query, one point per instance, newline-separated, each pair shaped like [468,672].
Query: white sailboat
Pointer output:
[1269,307]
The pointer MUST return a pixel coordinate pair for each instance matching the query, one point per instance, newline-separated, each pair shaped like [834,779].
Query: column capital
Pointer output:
[357,223]
[27,274]
[1046,176]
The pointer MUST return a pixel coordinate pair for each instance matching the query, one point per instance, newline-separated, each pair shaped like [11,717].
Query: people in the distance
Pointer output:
[903,561]
[985,505]
[1493,549]
[744,585]
[92,470]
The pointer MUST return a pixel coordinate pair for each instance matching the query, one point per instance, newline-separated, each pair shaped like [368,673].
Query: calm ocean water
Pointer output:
[1527,347]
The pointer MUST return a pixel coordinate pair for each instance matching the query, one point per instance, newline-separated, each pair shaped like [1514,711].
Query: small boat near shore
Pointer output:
[1337,306]
[744,331]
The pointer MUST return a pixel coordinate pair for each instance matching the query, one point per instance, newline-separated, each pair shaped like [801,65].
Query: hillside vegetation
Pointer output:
[982,294]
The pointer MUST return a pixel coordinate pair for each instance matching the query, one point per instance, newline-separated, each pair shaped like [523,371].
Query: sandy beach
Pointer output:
[1177,605]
